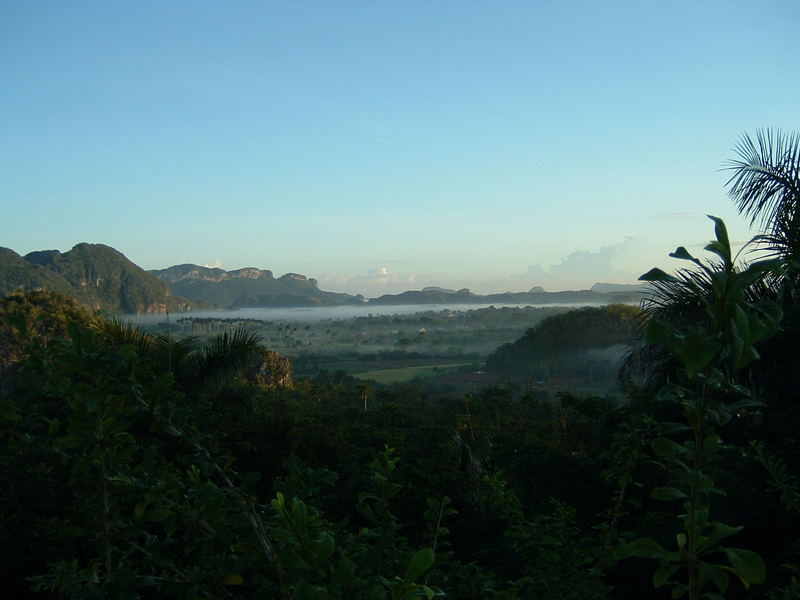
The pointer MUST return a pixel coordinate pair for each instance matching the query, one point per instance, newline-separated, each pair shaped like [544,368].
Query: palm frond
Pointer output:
[116,332]
[174,355]
[677,302]
[681,301]
[179,349]
[765,183]
[228,354]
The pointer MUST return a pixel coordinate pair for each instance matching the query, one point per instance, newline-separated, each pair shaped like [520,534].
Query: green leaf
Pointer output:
[697,350]
[54,425]
[666,494]
[682,254]
[657,274]
[233,579]
[679,591]
[419,563]
[748,565]
[158,514]
[323,549]
[681,538]
[640,548]
[171,430]
[662,575]
[720,250]
[666,447]
[717,575]
[721,232]
[720,532]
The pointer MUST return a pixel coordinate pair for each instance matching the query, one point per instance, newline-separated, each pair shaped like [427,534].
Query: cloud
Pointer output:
[575,270]
[215,265]
[375,281]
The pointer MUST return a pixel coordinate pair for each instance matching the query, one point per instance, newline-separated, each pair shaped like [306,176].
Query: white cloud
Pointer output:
[578,270]
[374,282]
[582,268]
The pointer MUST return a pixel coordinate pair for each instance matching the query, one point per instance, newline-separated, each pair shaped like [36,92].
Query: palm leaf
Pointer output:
[226,355]
[765,180]
[676,300]
[115,332]
[175,355]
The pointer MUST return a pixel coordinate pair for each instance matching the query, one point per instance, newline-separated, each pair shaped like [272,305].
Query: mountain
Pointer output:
[102,278]
[537,295]
[606,288]
[18,273]
[429,295]
[98,276]
[248,287]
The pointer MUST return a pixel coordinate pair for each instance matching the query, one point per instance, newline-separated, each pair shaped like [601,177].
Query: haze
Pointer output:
[379,146]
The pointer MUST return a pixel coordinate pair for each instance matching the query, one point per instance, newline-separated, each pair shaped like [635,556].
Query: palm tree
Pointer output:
[365,391]
[711,294]
[765,185]
[196,367]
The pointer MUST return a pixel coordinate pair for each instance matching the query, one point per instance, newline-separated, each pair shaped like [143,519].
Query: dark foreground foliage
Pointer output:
[136,466]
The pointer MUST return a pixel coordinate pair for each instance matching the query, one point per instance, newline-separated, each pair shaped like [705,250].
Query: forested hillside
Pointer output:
[98,276]
[571,341]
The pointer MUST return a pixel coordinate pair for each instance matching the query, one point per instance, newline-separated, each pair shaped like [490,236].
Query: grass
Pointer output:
[400,374]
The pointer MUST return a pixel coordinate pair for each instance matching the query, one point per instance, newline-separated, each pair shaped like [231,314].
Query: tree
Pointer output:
[36,314]
[709,354]
[765,185]
[195,367]
[365,391]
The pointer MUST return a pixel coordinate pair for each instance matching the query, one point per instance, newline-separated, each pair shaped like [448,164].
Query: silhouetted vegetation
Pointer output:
[142,465]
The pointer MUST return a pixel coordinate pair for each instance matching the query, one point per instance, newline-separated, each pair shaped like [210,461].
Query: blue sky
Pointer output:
[383,146]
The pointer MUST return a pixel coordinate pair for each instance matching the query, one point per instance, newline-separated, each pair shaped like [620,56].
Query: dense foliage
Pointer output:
[16,273]
[139,466]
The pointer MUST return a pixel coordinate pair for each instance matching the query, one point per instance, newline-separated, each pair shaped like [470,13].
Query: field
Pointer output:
[407,373]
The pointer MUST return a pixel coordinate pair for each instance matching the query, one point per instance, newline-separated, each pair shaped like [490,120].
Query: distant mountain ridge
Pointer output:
[248,287]
[102,278]
[610,288]
[96,275]
[617,293]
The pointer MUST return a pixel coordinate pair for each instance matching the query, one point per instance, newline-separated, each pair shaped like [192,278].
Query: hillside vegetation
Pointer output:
[138,465]
[570,341]
[98,276]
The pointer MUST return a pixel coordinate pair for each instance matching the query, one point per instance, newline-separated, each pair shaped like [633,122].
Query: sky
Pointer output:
[382,146]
